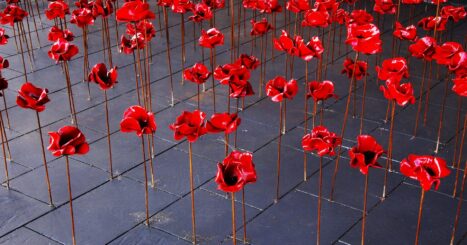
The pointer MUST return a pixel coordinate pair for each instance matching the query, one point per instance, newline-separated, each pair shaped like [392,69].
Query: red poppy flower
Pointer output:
[285,43]
[360,68]
[458,63]
[62,50]
[429,23]
[423,48]
[198,74]
[249,4]
[365,154]
[56,33]
[321,140]
[328,5]
[57,9]
[201,11]
[401,93]
[223,122]
[428,170]
[405,33]
[105,79]
[260,28]
[102,8]
[142,27]
[236,76]
[267,6]
[359,17]
[3,37]
[394,69]
[364,38]
[82,17]
[181,6]
[460,86]
[134,11]
[84,4]
[3,85]
[32,97]
[384,7]
[215,4]
[211,38]
[320,90]
[189,125]
[165,3]
[68,140]
[12,14]
[445,52]
[235,171]
[4,63]
[279,88]
[137,119]
[127,46]
[339,16]
[249,61]
[316,18]
[314,48]
[456,13]
[412,1]
[225,71]
[297,6]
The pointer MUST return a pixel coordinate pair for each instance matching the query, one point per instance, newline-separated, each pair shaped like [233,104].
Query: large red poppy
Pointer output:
[249,61]
[190,125]
[365,154]
[260,28]
[56,33]
[297,6]
[285,43]
[235,171]
[456,13]
[32,97]
[401,93]
[198,74]
[423,48]
[445,52]
[393,69]
[211,38]
[57,9]
[339,16]
[223,122]
[320,90]
[102,8]
[428,170]
[12,14]
[384,7]
[68,140]
[82,17]
[364,38]
[201,11]
[139,120]
[105,79]
[405,33]
[360,68]
[62,50]
[429,23]
[181,6]
[313,48]
[359,17]
[279,88]
[316,18]
[321,140]
[134,11]
[236,76]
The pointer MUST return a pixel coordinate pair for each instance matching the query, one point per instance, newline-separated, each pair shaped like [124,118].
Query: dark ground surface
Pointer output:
[113,211]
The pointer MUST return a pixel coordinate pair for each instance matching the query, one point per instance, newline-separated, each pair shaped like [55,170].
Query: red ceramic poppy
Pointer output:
[201,11]
[329,5]
[314,48]
[460,86]
[393,69]
[456,13]
[56,33]
[267,6]
[137,119]
[4,63]
[297,6]
[82,17]
[84,4]
[365,154]
[405,33]
[142,27]
[423,48]
[165,3]
[62,50]
[340,16]
[285,43]
[211,38]
[32,97]
[360,68]
[215,4]
[3,37]
[429,23]
[181,6]
[412,1]
[445,52]
[225,71]
[401,93]
[12,14]
[68,140]
[249,4]
[190,125]
[127,46]
[322,141]
[102,8]
[260,28]
[279,88]
[364,38]
[134,11]
[223,122]
[320,90]
[236,76]
[198,74]
[359,17]
[428,170]
[105,79]
[235,171]
[384,7]
[249,61]
[316,18]
[458,64]
[57,9]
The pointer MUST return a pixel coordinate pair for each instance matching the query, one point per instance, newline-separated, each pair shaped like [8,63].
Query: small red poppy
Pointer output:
[429,23]
[236,76]
[260,28]
[401,93]
[320,90]
[134,11]
[321,140]
[32,97]
[211,38]
[139,120]
[249,61]
[201,11]
[339,16]
[198,74]
[57,9]
[82,17]
[62,50]
[297,6]
[460,86]
[316,18]
[384,7]
[181,6]
[12,14]
[215,4]
[56,33]
[105,79]
[405,33]
[102,8]
[190,125]
[359,17]
[456,13]
[364,38]
[365,154]
[279,88]
[235,171]
[144,29]
[4,63]
[428,170]
[313,48]
[458,64]
[423,48]
[285,43]
[445,52]
[393,69]
[68,140]
[223,122]
[360,68]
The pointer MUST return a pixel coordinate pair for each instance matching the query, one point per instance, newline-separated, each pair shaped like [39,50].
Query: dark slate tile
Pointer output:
[27,237]
[148,235]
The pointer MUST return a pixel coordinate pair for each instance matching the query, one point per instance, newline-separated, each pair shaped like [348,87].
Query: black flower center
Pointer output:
[230,177]
[369,156]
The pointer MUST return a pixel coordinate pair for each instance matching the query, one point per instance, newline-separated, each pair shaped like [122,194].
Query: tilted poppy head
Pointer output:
[190,125]
[102,8]
[313,48]
[320,90]
[249,61]
[198,74]
[279,88]
[401,93]
[328,5]
[12,14]
[359,68]
[32,97]
[181,6]
[260,28]
[137,119]
[4,63]
[3,36]
[211,38]
[68,140]
[105,79]
[365,154]
[134,11]
[423,48]
[316,18]
[428,170]
[82,17]
[201,11]
[405,33]
[297,6]
[339,16]
[446,51]
[393,68]
[236,76]
[56,33]
[460,85]
[456,13]
[223,122]
[57,9]
[62,50]
[384,7]
[429,23]
[235,171]
[321,140]
[127,46]
[285,43]
[458,64]
[364,38]
[144,30]
[359,17]
[215,4]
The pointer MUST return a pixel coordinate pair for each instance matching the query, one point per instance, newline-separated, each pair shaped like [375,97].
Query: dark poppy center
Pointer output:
[230,177]
[369,156]
[430,171]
